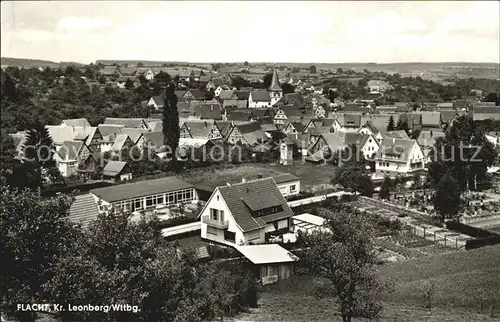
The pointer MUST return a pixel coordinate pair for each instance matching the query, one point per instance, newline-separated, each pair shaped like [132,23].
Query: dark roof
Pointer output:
[237,115]
[113,168]
[224,127]
[199,95]
[154,138]
[260,96]
[128,71]
[260,192]
[83,210]
[227,94]
[159,100]
[252,132]
[140,189]
[448,116]
[291,111]
[298,126]
[275,82]
[205,78]
[199,130]
[206,110]
[285,177]
[242,94]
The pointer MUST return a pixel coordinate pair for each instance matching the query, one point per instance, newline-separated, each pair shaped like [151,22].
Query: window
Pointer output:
[292,188]
[221,212]
[149,201]
[217,197]
[159,200]
[272,270]
[230,236]
[137,204]
[214,214]
[211,230]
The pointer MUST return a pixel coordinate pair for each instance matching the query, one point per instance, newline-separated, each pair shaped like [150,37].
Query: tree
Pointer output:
[391,125]
[385,190]
[344,255]
[339,71]
[354,178]
[129,84]
[102,80]
[492,97]
[447,198]
[465,152]
[140,64]
[287,88]
[34,235]
[267,79]
[403,125]
[245,64]
[312,69]
[171,130]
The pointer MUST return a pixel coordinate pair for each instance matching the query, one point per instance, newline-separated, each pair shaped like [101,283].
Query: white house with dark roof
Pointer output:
[145,195]
[288,184]
[117,171]
[399,157]
[73,157]
[259,99]
[245,213]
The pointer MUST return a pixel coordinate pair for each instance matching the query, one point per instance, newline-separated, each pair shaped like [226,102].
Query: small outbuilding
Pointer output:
[271,261]
[117,171]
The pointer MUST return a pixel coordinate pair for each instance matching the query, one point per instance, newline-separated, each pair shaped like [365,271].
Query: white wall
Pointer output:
[232,227]
[285,188]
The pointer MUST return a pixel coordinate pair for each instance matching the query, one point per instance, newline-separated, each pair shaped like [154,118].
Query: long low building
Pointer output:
[145,195]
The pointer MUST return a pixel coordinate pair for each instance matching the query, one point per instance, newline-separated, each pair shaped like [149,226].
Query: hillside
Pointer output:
[460,279]
[29,63]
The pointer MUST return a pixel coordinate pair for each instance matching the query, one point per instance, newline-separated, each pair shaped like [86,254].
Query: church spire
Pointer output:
[275,83]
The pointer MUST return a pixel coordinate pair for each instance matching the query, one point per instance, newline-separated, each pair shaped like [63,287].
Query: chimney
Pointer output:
[228,184]
[259,176]
[393,140]
[243,180]
[431,133]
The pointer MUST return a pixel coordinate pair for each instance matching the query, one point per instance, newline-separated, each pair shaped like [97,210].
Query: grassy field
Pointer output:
[459,277]
[310,175]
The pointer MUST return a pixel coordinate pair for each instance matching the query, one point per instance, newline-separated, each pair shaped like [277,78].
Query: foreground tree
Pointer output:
[34,235]
[344,255]
[447,199]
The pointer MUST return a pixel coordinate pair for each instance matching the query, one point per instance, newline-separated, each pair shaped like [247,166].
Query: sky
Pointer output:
[264,31]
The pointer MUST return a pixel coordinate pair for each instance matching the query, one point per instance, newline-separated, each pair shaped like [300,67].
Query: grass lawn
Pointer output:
[460,277]
[310,174]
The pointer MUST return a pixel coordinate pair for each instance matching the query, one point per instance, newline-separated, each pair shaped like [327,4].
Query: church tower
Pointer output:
[275,90]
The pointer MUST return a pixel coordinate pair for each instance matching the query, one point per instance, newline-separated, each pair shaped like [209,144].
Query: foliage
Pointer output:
[354,178]
[391,126]
[385,189]
[34,235]
[267,79]
[345,257]
[403,125]
[447,199]
[171,130]
[464,152]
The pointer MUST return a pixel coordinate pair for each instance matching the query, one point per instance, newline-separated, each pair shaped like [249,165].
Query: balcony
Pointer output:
[215,223]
